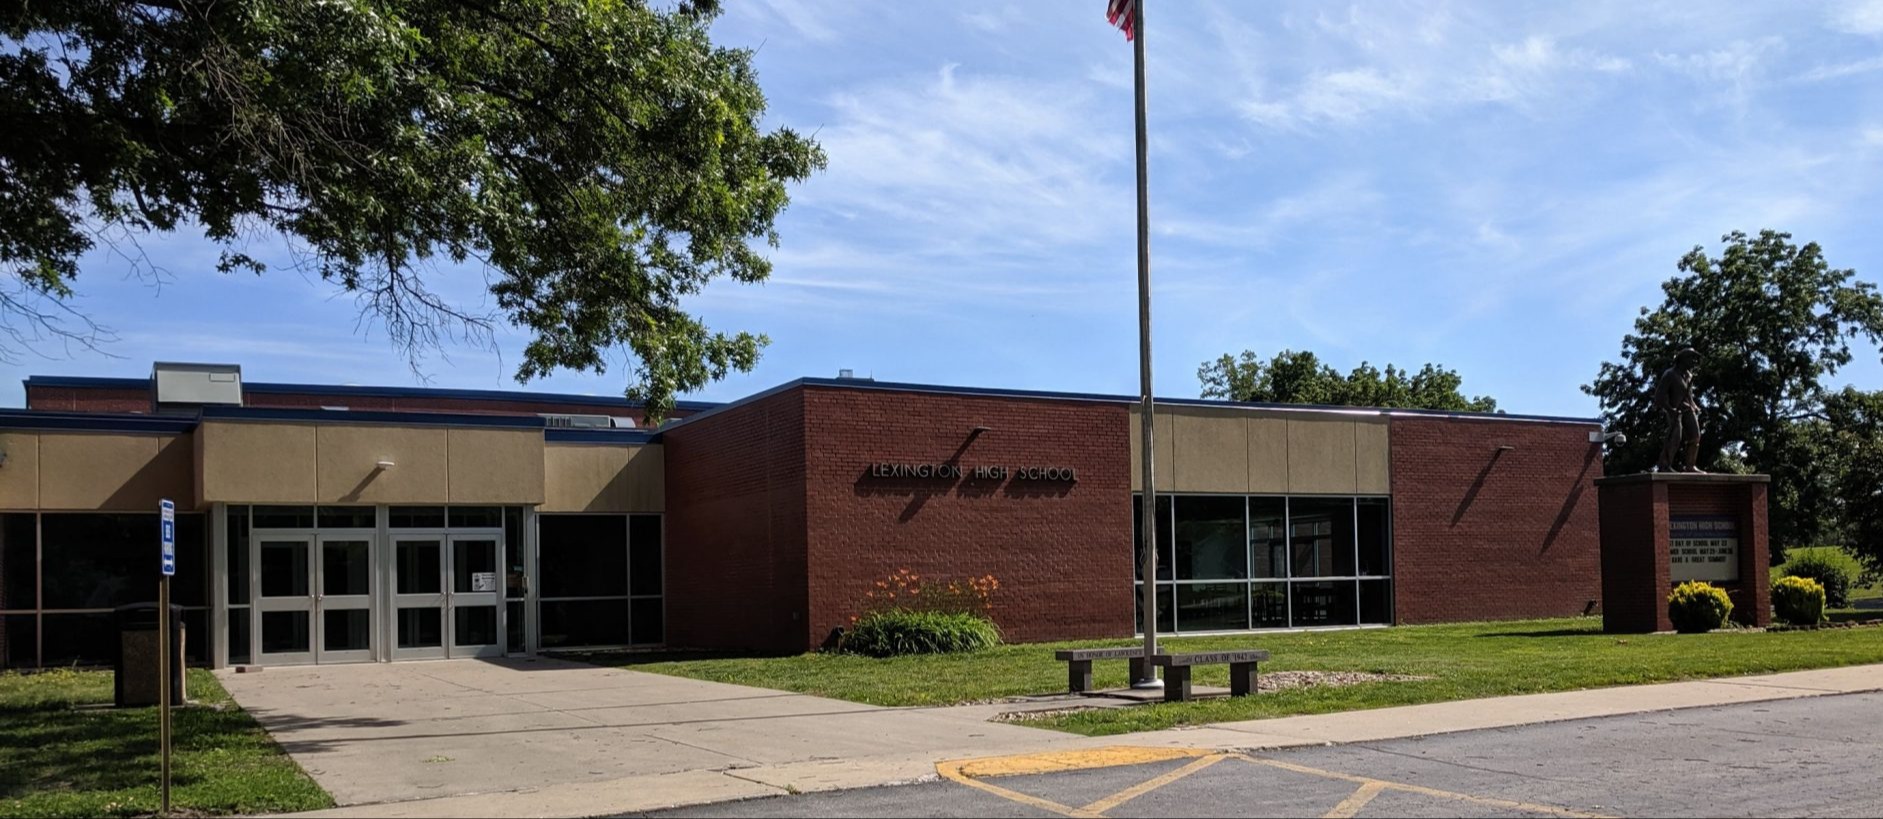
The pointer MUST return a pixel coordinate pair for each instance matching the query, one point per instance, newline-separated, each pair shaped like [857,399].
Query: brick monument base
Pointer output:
[1661,528]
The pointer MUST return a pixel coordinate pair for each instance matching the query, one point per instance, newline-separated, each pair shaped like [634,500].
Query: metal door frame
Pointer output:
[367,602]
[494,599]
[262,604]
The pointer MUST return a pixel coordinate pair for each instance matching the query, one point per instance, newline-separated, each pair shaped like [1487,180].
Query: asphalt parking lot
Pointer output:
[1808,757]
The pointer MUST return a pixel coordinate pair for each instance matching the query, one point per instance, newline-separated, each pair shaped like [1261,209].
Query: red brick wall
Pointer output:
[1752,593]
[1634,563]
[1061,551]
[736,528]
[1484,534]
[81,399]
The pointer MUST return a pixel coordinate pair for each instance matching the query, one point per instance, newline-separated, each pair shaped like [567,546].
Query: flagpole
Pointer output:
[1148,500]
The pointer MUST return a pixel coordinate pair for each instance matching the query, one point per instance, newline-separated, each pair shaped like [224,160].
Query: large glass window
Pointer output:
[1231,562]
[97,561]
[19,561]
[1321,536]
[583,555]
[1211,541]
[600,579]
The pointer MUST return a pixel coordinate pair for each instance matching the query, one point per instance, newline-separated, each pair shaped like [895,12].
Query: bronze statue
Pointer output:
[1674,398]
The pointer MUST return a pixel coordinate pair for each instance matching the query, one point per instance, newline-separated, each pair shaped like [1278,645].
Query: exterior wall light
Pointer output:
[384,465]
[977,429]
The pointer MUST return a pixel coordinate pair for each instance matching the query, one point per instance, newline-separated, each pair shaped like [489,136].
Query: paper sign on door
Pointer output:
[483,581]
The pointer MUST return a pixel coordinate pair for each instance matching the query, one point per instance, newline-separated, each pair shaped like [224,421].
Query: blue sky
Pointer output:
[1494,186]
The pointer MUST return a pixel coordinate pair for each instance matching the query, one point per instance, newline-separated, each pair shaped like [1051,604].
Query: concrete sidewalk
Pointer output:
[804,753]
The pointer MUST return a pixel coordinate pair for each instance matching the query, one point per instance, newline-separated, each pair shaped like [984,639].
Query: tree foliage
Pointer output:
[1292,377]
[1772,320]
[1849,439]
[600,159]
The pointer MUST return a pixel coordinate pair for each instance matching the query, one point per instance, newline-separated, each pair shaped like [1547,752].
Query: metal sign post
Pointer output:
[169,562]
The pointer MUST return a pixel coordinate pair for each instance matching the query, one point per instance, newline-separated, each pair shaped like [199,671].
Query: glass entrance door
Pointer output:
[418,597]
[345,600]
[474,597]
[446,596]
[285,564]
[316,597]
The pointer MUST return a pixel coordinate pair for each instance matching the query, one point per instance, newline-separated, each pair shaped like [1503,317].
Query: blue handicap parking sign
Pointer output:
[168,532]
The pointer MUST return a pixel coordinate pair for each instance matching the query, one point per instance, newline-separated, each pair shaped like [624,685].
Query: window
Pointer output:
[1230,562]
[601,580]
[1211,538]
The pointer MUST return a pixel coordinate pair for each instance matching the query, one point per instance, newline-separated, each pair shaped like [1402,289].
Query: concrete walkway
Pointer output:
[546,738]
[385,733]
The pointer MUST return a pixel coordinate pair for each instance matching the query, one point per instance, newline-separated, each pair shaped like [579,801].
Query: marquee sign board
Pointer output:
[1703,548]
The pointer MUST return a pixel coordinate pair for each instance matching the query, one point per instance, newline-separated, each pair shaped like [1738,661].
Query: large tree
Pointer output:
[1772,320]
[1849,439]
[1292,377]
[599,160]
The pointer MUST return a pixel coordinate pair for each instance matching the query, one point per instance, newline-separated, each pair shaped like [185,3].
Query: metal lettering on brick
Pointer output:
[987,472]
[1703,548]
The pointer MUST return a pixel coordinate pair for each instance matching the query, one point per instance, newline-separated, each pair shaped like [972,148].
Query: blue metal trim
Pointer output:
[625,437]
[273,388]
[100,422]
[996,392]
[372,417]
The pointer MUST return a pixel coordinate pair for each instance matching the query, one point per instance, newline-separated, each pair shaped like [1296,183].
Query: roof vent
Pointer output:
[564,421]
[846,373]
[193,385]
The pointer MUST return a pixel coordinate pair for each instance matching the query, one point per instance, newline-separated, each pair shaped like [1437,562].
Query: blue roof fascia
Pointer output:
[12,419]
[446,419]
[998,392]
[473,395]
[623,437]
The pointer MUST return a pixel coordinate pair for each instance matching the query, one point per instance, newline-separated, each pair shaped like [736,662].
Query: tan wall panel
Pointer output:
[1321,456]
[243,462]
[1372,456]
[117,472]
[1268,454]
[344,471]
[590,478]
[1212,450]
[496,465]
[1161,440]
[19,474]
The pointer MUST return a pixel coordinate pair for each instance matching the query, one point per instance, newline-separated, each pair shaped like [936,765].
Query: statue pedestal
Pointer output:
[1662,528]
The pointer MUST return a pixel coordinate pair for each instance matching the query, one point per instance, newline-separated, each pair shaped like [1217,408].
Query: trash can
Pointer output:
[135,678]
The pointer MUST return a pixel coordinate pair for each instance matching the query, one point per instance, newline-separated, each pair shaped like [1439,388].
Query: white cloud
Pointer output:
[1841,70]
[1858,17]
[1732,71]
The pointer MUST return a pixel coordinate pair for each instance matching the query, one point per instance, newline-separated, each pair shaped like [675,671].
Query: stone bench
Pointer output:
[1177,671]
[1079,664]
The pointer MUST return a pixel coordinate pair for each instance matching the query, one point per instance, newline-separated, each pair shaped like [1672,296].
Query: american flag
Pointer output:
[1124,15]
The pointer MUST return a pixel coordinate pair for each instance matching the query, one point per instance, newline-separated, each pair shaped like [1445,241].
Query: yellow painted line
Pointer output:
[1506,804]
[1147,786]
[1351,806]
[1059,761]
[952,772]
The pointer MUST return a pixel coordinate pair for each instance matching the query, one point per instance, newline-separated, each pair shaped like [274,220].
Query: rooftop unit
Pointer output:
[179,386]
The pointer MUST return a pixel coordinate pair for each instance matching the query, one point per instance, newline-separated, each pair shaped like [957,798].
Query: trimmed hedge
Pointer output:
[1833,570]
[1798,601]
[899,631]
[1697,607]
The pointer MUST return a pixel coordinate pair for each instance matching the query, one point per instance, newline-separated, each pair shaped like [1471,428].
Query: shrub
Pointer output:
[1697,607]
[1798,601]
[898,631]
[1832,568]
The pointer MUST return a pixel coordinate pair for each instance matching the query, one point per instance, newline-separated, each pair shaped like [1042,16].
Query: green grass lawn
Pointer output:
[65,752]
[1463,661]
